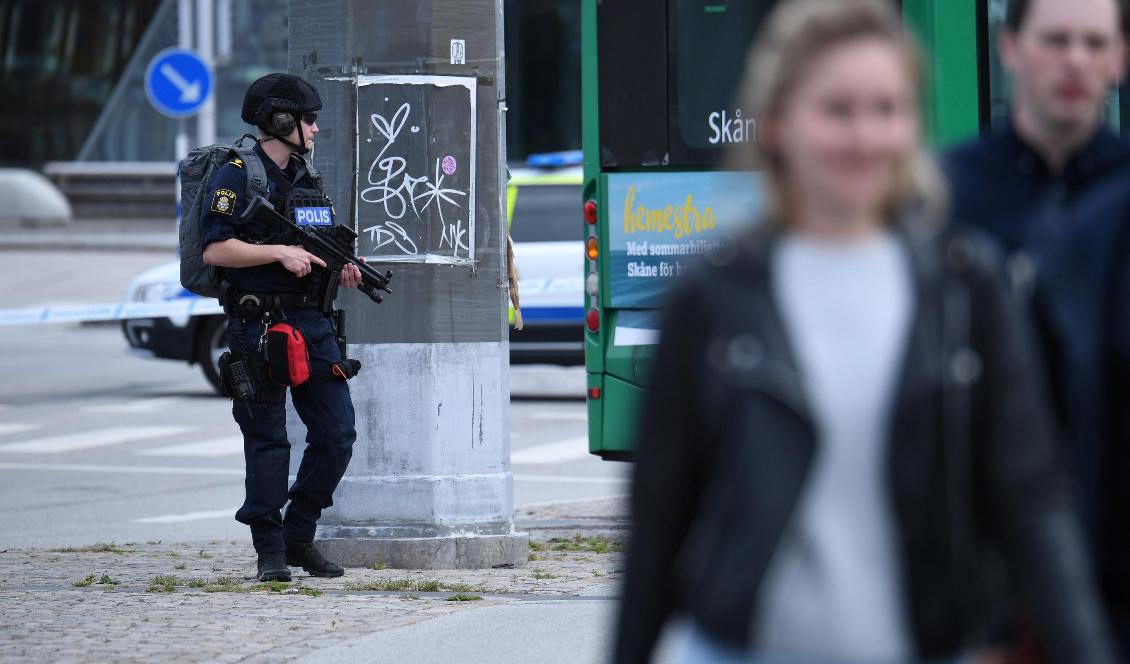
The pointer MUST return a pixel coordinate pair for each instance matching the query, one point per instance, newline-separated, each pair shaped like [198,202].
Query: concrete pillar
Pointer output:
[429,485]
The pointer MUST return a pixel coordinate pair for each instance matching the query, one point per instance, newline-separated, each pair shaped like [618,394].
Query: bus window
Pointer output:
[709,40]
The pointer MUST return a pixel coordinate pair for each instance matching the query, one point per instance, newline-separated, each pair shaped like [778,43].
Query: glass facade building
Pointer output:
[77,67]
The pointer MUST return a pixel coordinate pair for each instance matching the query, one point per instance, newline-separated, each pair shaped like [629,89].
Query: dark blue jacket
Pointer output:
[1066,235]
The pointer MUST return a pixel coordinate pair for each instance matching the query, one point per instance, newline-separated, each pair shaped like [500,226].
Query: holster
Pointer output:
[246,380]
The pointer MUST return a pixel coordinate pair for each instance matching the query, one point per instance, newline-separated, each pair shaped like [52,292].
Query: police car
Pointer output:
[543,205]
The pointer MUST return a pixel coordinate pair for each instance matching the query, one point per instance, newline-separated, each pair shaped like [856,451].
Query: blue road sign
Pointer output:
[177,82]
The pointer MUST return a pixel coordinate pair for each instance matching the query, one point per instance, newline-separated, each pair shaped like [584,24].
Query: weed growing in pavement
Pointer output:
[460,597]
[203,554]
[271,586]
[197,583]
[599,544]
[540,574]
[597,572]
[173,554]
[164,584]
[100,547]
[179,566]
[410,585]
[378,566]
[152,542]
[312,592]
[537,546]
[392,585]
[225,584]
[82,583]
[409,597]
[107,581]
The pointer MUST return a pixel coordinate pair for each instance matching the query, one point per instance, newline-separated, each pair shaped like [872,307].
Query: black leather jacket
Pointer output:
[726,441]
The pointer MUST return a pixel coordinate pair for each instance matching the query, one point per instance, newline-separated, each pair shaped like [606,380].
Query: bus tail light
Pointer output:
[592,320]
[590,212]
[594,393]
[592,249]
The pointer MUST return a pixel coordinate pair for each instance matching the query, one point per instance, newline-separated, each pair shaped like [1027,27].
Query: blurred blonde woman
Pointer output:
[844,416]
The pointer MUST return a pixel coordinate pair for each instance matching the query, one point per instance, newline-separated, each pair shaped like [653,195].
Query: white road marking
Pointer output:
[96,438]
[216,447]
[134,407]
[136,470]
[17,427]
[573,449]
[559,415]
[189,516]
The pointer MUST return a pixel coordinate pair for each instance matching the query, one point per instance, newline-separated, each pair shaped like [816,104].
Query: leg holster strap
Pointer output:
[343,370]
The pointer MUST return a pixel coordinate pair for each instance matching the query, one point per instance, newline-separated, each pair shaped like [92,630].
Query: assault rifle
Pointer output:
[333,244]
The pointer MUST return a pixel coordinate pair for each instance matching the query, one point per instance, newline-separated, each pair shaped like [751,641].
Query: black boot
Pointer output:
[272,567]
[304,555]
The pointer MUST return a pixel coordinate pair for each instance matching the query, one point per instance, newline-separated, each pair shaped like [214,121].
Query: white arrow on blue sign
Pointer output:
[177,82]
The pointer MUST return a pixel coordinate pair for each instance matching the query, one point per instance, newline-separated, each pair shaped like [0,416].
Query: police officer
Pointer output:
[269,281]
[1053,187]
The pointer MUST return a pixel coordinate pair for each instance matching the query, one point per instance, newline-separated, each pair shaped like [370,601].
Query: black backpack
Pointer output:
[194,173]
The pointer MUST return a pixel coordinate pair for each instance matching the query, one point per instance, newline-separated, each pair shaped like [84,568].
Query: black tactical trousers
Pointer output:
[327,411]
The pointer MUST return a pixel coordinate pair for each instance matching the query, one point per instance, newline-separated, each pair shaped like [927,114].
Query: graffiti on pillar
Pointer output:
[416,169]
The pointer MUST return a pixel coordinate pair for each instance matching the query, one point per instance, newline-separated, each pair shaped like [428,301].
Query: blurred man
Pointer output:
[1053,186]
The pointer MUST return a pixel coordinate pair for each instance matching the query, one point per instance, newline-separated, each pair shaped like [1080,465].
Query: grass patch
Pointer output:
[460,597]
[270,586]
[312,592]
[225,584]
[203,554]
[100,547]
[414,586]
[152,542]
[164,584]
[387,585]
[106,581]
[378,566]
[197,583]
[82,583]
[540,574]
[580,543]
[537,546]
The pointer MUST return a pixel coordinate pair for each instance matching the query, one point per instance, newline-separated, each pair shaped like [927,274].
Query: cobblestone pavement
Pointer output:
[197,602]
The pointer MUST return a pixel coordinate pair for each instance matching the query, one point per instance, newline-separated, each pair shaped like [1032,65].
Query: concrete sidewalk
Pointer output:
[195,602]
[87,235]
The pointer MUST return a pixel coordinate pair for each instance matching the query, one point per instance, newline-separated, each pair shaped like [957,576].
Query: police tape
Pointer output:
[90,313]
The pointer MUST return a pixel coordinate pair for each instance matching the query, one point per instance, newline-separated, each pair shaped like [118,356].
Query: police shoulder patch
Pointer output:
[223,201]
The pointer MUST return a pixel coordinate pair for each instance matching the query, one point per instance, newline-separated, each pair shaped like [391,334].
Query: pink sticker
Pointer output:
[449,165]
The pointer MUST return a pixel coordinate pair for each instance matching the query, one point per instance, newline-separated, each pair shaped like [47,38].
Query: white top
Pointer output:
[834,588]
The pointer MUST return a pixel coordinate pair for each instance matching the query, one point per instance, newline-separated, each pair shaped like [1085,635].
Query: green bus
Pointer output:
[658,110]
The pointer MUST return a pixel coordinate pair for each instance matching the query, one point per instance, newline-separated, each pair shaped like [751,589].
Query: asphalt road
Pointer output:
[99,446]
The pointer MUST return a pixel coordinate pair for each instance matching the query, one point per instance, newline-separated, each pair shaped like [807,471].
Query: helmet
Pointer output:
[275,102]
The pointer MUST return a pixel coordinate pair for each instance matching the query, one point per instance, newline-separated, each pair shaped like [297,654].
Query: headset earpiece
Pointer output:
[282,123]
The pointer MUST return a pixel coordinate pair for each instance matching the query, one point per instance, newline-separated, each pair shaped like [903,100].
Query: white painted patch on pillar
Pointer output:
[432,447]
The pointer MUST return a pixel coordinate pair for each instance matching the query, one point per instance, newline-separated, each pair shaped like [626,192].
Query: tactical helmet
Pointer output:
[278,92]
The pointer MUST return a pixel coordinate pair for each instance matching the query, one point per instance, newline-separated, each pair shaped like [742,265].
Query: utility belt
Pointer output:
[280,358]
[254,306]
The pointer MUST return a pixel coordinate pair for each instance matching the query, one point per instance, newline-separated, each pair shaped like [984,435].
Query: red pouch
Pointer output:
[288,360]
